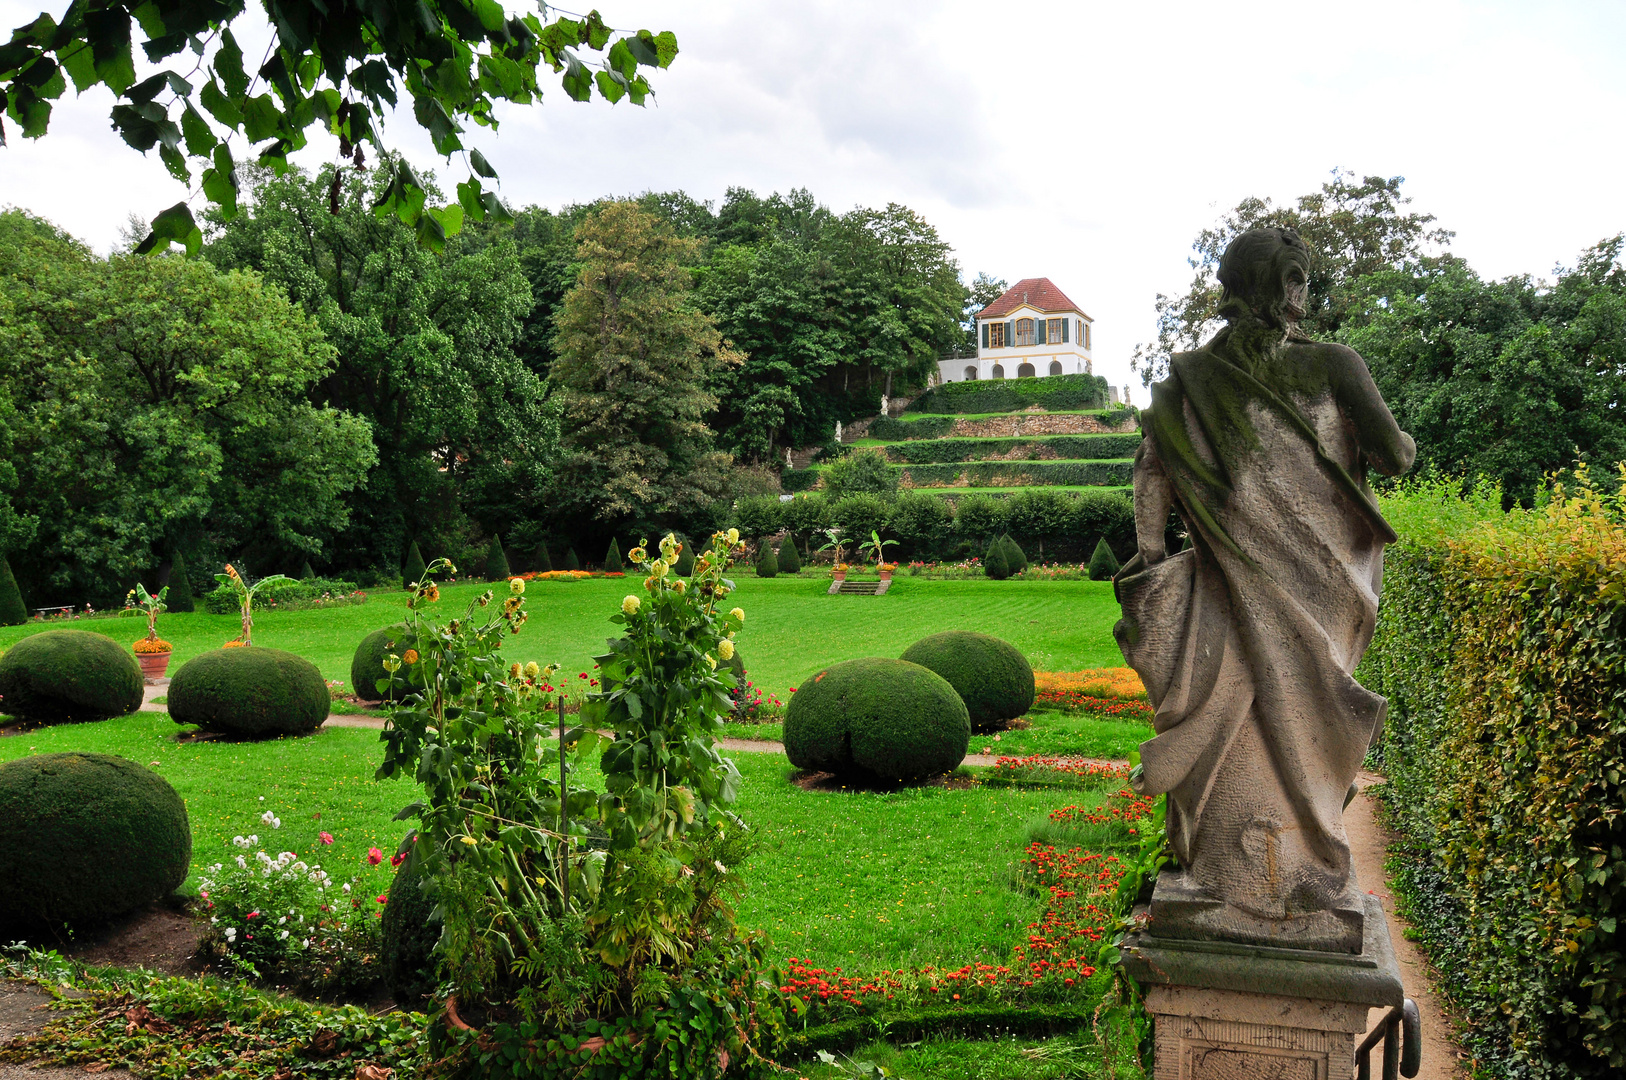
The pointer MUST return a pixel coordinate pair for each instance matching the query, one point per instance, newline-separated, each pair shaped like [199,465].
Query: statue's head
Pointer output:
[1268,271]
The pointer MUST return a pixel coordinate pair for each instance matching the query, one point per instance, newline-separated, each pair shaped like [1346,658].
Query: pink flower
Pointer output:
[383,899]
[326,837]
[252,914]
[374,856]
[397,859]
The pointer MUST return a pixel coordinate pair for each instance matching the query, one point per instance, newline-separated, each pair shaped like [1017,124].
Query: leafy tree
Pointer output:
[337,65]
[413,570]
[13,612]
[424,351]
[612,558]
[921,520]
[1103,563]
[496,561]
[979,518]
[180,586]
[1508,379]
[864,470]
[983,291]
[789,560]
[634,359]
[1039,514]
[160,401]
[1353,229]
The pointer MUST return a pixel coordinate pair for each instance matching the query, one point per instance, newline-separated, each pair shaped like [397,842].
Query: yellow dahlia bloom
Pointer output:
[630,605]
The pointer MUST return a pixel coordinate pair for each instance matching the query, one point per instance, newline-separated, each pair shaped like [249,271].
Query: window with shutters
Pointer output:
[1024,332]
[1086,335]
[996,334]
[1053,331]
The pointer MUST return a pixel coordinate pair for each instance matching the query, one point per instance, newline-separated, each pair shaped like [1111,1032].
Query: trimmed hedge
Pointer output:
[994,563]
[1062,447]
[253,692]
[1006,395]
[413,569]
[991,676]
[180,586]
[571,562]
[543,560]
[1103,563]
[1114,473]
[877,719]
[496,561]
[69,676]
[789,560]
[767,563]
[409,935]
[921,427]
[367,666]
[612,558]
[1502,651]
[85,837]
[13,612]
[224,600]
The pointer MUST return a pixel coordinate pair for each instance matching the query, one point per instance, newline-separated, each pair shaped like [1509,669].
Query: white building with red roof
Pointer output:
[1033,329]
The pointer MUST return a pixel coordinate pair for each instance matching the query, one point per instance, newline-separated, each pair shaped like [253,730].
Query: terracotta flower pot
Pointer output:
[153,664]
[886,575]
[839,575]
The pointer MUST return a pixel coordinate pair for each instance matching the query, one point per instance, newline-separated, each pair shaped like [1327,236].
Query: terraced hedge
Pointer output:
[1081,447]
[923,427]
[1006,395]
[1022,473]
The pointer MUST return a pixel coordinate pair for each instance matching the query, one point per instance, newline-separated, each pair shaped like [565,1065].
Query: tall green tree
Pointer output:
[1507,379]
[1354,228]
[162,402]
[634,360]
[424,350]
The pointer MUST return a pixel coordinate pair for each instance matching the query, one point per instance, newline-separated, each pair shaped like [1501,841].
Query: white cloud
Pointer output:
[1086,142]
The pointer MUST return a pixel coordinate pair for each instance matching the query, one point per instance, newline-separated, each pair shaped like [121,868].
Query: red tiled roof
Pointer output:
[1036,292]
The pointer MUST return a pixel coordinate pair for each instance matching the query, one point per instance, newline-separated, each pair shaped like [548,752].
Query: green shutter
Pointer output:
[985,335]
[1064,323]
[1010,332]
[1041,331]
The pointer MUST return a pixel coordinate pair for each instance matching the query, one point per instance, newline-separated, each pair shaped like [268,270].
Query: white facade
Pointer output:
[1025,340]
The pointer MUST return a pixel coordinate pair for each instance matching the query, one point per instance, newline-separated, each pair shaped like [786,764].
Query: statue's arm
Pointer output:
[1153,500]
[1386,448]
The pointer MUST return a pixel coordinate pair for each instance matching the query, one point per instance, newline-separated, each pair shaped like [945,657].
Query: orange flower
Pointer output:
[410,656]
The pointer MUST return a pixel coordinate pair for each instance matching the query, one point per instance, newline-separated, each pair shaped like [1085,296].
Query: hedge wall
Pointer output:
[223,601]
[924,427]
[1023,473]
[1003,395]
[1502,650]
[1071,447]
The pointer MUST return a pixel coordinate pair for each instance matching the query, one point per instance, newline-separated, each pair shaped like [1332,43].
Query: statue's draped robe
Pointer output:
[1246,640]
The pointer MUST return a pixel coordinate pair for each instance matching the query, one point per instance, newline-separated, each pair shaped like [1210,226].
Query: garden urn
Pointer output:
[839,573]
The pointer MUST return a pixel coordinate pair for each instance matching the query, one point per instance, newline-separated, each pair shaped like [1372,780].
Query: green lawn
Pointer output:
[792,627]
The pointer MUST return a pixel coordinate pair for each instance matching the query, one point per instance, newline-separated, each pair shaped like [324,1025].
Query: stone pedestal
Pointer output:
[1228,1011]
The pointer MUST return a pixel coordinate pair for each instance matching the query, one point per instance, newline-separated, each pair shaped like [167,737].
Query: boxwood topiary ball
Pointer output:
[69,675]
[991,676]
[86,836]
[877,719]
[368,665]
[408,938]
[254,692]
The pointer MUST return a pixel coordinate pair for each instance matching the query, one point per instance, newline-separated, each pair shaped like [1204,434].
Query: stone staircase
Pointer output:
[860,588]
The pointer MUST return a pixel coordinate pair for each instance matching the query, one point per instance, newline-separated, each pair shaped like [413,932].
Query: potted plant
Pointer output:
[878,546]
[152,651]
[837,543]
[245,600]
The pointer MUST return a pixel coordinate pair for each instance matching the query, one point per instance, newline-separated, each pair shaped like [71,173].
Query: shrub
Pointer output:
[254,692]
[87,836]
[877,719]
[995,564]
[979,518]
[759,515]
[1056,447]
[13,612]
[69,676]
[863,470]
[991,676]
[612,559]
[1020,473]
[790,561]
[806,514]
[1015,558]
[685,560]
[180,586]
[1103,563]
[1005,395]
[1501,645]
[412,570]
[544,561]
[922,521]
[410,932]
[226,600]
[859,515]
[367,666]
[306,573]
[496,561]
[571,562]
[767,564]
[913,427]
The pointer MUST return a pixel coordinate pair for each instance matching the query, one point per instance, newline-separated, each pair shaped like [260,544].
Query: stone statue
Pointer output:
[838,432]
[1260,441]
[885,406]
[788,464]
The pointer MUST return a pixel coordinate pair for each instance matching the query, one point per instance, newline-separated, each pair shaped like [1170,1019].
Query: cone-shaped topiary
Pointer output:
[790,561]
[68,676]
[253,692]
[544,561]
[571,562]
[86,836]
[367,666]
[496,561]
[1103,563]
[13,612]
[1015,558]
[991,676]
[409,934]
[767,564]
[685,560]
[180,586]
[306,573]
[994,564]
[413,570]
[877,719]
[612,559]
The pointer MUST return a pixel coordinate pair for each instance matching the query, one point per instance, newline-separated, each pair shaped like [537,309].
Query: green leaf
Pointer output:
[152,22]
[175,162]
[261,118]
[173,225]
[200,140]
[578,81]
[490,14]
[220,107]
[612,85]
[80,65]
[229,65]
[477,161]
[450,219]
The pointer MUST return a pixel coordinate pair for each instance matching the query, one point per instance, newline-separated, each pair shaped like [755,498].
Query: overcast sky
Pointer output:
[1085,142]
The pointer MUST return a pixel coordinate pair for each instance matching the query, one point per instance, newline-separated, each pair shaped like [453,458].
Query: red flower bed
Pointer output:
[1062,767]
[1078,701]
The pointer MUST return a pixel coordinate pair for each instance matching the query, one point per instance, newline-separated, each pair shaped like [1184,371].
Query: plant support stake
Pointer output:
[564,831]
